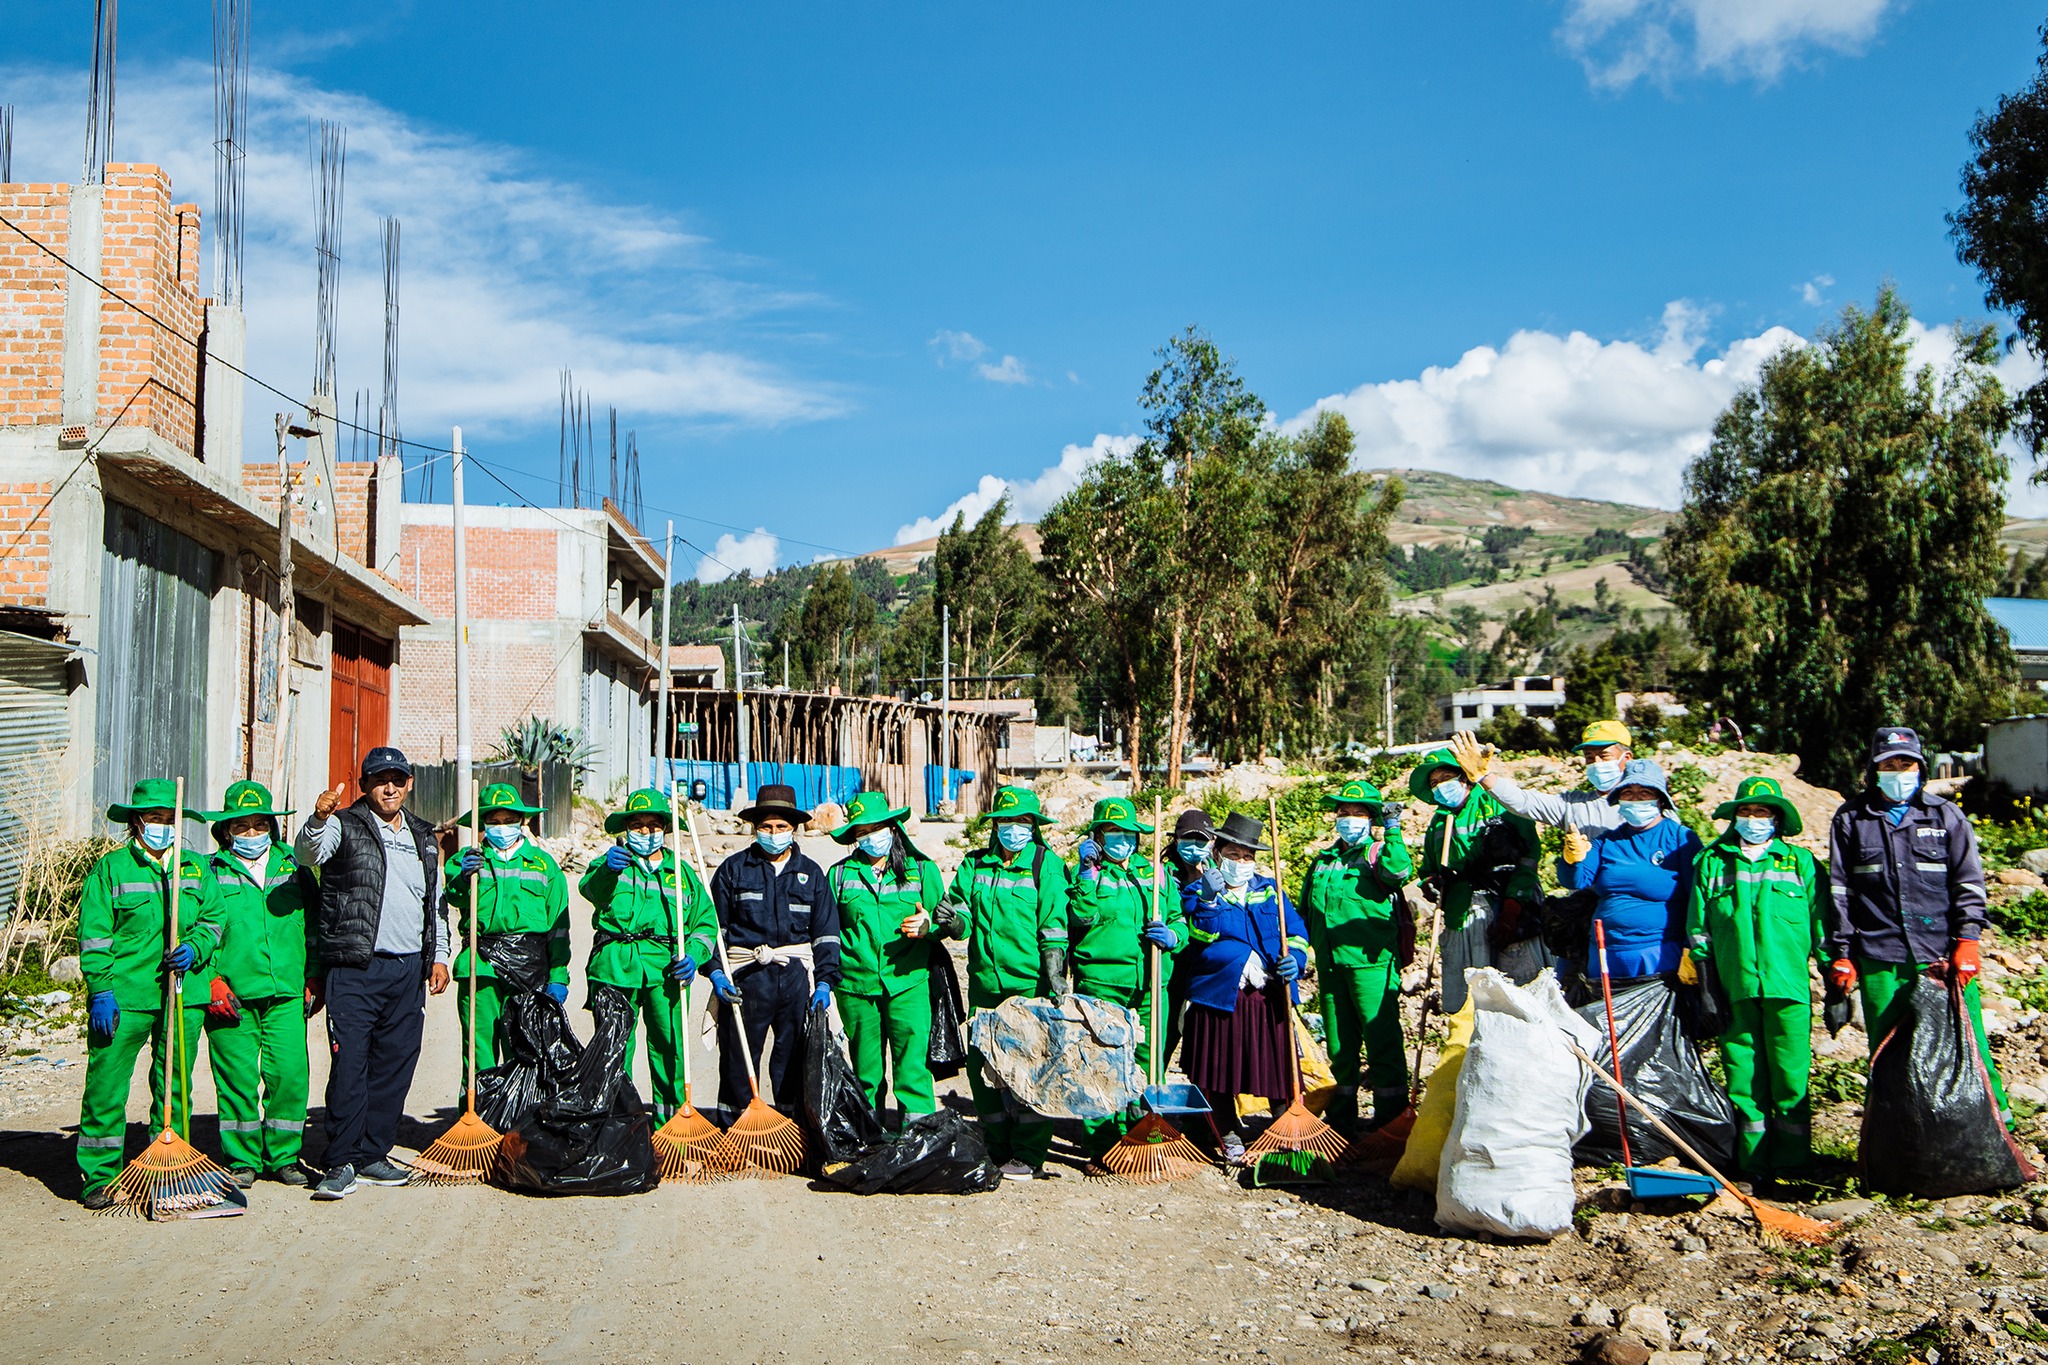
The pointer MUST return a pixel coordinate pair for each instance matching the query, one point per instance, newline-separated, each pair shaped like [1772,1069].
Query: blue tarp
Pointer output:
[936,788]
[815,783]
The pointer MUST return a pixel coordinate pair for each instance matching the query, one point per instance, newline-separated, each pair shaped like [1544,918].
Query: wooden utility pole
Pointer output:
[463,758]
[281,729]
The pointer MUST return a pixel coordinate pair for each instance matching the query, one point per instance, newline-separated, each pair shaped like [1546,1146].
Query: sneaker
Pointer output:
[1016,1170]
[384,1172]
[294,1174]
[98,1197]
[338,1183]
[244,1176]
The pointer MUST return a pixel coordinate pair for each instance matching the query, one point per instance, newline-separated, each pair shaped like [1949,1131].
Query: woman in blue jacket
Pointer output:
[1642,873]
[1248,950]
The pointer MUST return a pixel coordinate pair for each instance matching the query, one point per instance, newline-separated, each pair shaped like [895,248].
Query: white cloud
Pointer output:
[757,552]
[1813,292]
[1029,498]
[958,347]
[1622,41]
[1011,371]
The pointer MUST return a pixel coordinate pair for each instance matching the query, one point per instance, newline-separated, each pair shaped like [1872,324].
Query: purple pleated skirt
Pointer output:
[1249,1051]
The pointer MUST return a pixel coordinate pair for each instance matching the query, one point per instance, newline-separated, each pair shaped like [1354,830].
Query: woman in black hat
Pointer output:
[1187,860]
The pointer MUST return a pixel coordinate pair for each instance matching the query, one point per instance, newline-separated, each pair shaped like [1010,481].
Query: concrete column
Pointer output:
[388,499]
[226,340]
[82,298]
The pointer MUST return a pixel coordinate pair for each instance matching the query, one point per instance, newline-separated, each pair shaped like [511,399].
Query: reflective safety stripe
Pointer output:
[1932,867]
[1054,935]
[240,1126]
[1754,1126]
[137,888]
[93,945]
[114,1141]
[825,938]
[285,1125]
[1300,943]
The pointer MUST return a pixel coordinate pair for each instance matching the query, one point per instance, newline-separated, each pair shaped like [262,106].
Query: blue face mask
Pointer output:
[157,837]
[877,844]
[1450,793]
[644,843]
[1641,814]
[1352,828]
[1899,786]
[1117,847]
[1603,775]
[1193,852]
[1013,834]
[503,836]
[1755,829]
[251,845]
[774,844]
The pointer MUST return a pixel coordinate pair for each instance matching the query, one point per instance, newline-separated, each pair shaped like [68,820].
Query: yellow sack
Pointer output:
[1318,1082]
[1416,1170]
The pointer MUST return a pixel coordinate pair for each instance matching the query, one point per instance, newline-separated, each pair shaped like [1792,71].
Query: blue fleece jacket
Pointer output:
[1643,878]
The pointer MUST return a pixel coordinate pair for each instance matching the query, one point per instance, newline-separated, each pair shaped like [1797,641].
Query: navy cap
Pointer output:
[1896,741]
[385,759]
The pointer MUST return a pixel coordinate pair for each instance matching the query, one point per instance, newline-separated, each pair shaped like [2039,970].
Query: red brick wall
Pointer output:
[512,573]
[140,259]
[355,504]
[507,683]
[32,304]
[24,545]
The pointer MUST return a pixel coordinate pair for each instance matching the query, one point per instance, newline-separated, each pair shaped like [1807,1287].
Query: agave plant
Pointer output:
[537,740]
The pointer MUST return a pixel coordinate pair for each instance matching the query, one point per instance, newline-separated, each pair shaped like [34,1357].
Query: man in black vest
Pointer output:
[384,946]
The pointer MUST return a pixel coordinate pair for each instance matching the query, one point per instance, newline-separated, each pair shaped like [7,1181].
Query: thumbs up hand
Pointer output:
[324,805]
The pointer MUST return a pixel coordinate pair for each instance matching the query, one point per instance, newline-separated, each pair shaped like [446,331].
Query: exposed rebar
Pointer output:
[99,94]
[387,410]
[230,120]
[330,161]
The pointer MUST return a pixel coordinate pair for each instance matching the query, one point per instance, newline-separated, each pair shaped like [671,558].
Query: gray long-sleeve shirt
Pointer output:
[1583,809]
[405,885]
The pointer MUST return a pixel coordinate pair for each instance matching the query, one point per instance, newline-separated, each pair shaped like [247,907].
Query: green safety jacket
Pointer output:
[637,919]
[1758,919]
[124,921]
[1468,826]
[268,948]
[1010,913]
[1350,900]
[523,892]
[1106,914]
[875,959]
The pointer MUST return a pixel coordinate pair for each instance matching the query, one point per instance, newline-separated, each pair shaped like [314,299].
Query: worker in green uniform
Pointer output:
[1755,914]
[124,951]
[1484,879]
[262,975]
[1011,901]
[890,918]
[1113,924]
[655,930]
[1363,936]
[520,889]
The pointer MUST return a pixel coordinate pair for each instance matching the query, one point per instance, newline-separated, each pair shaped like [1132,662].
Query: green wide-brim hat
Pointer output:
[1354,793]
[1762,791]
[151,793]
[1013,802]
[868,808]
[646,801]
[1118,813]
[504,796]
[1418,781]
[243,798]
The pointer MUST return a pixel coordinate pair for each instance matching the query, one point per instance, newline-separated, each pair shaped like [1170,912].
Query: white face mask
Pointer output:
[1352,828]
[1450,793]
[1013,834]
[645,843]
[1899,786]
[1603,775]
[1235,873]
[1755,829]
[774,844]
[877,844]
[503,836]
[1641,814]
[251,846]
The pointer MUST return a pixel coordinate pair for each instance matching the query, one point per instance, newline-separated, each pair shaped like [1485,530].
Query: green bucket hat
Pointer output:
[243,798]
[505,796]
[1356,792]
[1012,802]
[646,801]
[1762,791]
[151,793]
[1118,813]
[868,808]
[1418,781]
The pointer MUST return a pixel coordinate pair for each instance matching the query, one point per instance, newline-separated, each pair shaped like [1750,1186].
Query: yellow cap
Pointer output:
[1602,733]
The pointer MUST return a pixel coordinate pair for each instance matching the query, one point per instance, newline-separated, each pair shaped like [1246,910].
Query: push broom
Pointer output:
[1295,1130]
[1153,1151]
[760,1141]
[464,1153]
[689,1146]
[172,1178]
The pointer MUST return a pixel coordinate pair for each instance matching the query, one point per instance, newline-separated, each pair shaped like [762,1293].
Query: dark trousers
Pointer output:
[374,1018]
[771,997]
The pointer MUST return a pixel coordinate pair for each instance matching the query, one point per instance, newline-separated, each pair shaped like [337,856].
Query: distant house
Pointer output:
[1537,697]
[2026,625]
[697,666]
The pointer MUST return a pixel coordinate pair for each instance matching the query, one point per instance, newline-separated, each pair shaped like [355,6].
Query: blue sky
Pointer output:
[846,267]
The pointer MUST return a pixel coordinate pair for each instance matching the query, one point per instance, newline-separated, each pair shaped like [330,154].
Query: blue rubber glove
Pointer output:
[1290,969]
[722,983]
[472,862]
[1157,933]
[821,998]
[617,858]
[683,969]
[560,991]
[180,958]
[103,1016]
[1090,855]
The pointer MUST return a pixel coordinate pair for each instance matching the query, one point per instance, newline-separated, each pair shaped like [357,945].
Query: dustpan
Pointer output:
[1176,1098]
[1662,1182]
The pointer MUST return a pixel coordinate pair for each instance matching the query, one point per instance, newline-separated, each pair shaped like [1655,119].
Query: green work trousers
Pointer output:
[490,1004]
[267,1045]
[891,1033]
[660,1007]
[1884,986]
[1362,1013]
[1009,1139]
[110,1069]
[1768,1053]
[1102,1134]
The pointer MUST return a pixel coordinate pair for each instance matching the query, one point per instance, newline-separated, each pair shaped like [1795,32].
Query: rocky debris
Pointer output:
[2035,860]
[66,969]
[1608,1349]
[2017,876]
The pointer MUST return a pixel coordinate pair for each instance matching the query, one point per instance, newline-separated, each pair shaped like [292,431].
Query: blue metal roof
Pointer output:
[2025,620]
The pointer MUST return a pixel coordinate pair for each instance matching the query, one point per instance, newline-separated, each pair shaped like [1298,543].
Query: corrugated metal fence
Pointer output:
[435,798]
[34,728]
[156,586]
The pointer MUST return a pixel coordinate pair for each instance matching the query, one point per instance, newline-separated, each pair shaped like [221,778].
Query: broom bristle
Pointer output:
[1383,1146]
[762,1142]
[1297,1130]
[462,1155]
[1153,1153]
[692,1149]
[170,1177]
[1793,1227]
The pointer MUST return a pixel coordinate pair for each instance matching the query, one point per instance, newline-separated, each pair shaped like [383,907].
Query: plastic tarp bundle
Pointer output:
[838,1124]
[1930,1124]
[1661,1068]
[1417,1168]
[1073,1058]
[573,1122]
[1507,1164]
[939,1153]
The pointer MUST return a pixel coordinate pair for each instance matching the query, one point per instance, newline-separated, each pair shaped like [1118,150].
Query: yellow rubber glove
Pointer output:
[1472,756]
[1576,845]
[1688,970]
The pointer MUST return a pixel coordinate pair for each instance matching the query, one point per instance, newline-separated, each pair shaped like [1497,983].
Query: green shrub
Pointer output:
[2023,916]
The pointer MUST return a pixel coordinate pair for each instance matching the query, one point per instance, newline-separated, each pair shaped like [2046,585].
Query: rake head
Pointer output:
[1297,1130]
[692,1150]
[1153,1153]
[461,1156]
[174,1179]
[1381,1149]
[762,1142]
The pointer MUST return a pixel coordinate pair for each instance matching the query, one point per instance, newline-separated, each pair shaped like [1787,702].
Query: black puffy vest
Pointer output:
[352,889]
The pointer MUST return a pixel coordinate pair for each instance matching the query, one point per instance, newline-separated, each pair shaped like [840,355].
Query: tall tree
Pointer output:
[984,573]
[1838,538]
[827,632]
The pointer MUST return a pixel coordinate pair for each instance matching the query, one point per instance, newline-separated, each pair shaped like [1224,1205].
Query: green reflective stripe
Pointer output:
[114,1141]
[1300,943]
[1201,935]
[93,945]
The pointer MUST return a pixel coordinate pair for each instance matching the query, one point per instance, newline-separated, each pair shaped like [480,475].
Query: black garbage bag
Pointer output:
[947,1054]
[838,1124]
[1661,1068]
[1712,1014]
[939,1153]
[1930,1121]
[1567,921]
[533,1037]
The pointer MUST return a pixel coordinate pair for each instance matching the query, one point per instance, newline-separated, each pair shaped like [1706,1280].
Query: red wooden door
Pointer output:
[360,718]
